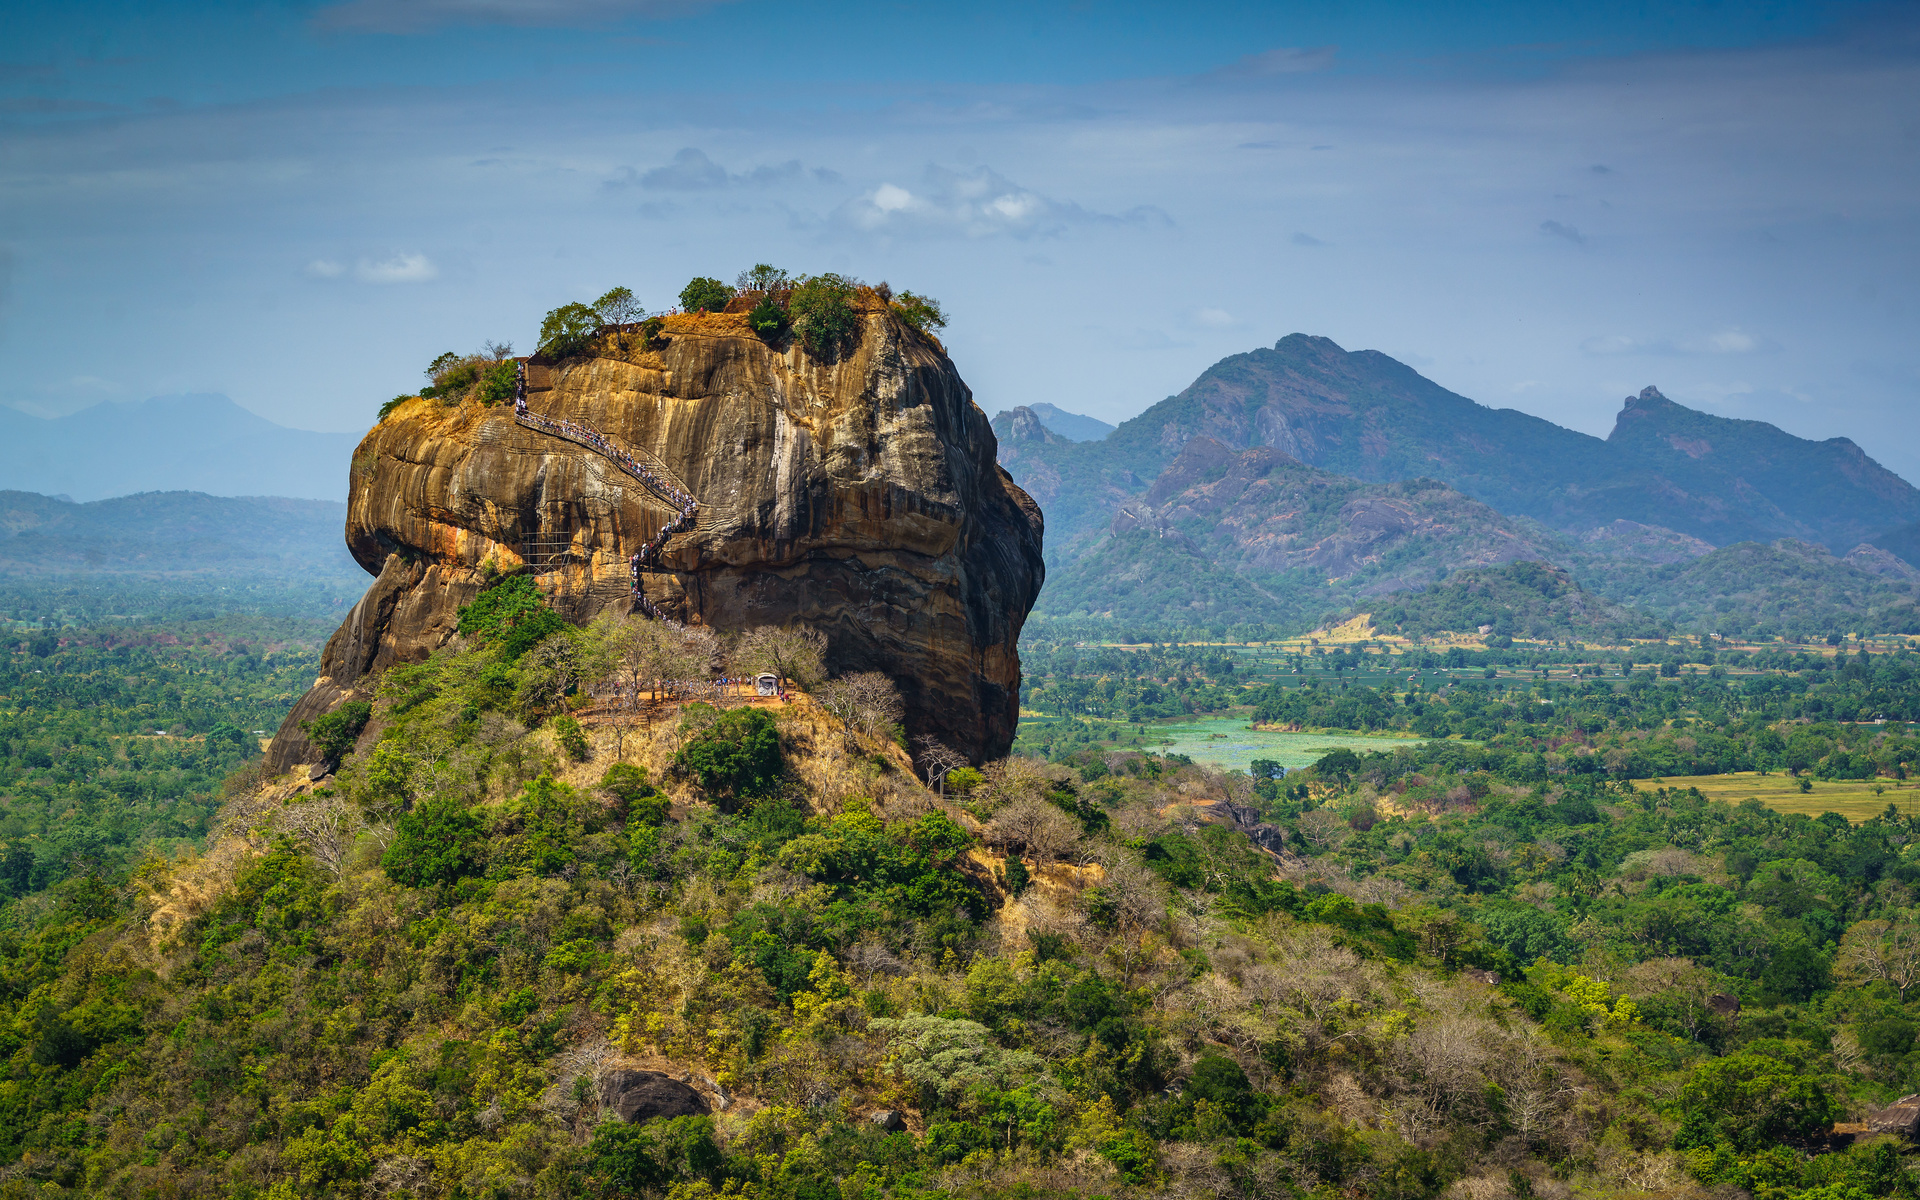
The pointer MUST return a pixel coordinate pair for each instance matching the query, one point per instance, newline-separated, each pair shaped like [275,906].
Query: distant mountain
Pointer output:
[1903,542]
[1365,415]
[1252,535]
[196,443]
[178,535]
[1071,426]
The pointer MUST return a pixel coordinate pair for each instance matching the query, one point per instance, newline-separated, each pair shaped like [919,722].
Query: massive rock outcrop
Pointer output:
[857,494]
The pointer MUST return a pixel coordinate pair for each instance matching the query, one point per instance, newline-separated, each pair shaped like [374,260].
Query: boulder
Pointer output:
[856,493]
[646,1095]
[888,1120]
[1901,1117]
[1725,1005]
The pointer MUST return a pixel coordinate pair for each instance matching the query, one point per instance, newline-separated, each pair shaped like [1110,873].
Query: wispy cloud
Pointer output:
[1568,232]
[693,171]
[399,268]
[424,16]
[1282,60]
[976,203]
[1307,239]
[1728,341]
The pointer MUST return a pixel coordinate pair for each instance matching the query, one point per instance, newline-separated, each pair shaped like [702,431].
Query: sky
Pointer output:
[301,204]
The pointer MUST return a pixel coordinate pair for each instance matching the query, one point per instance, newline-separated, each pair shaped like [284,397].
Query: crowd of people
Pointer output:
[627,696]
[666,489]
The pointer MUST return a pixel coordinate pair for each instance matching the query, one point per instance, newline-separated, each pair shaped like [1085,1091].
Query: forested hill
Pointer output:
[1365,415]
[524,944]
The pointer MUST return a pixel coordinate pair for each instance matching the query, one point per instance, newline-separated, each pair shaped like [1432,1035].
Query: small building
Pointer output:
[767,683]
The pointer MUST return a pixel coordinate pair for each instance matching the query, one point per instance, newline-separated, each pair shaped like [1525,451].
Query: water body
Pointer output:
[1227,742]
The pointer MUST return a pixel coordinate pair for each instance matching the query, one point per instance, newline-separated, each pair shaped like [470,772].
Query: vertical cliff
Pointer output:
[857,494]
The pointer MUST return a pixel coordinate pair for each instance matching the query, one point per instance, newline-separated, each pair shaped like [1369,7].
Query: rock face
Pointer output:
[858,495]
[646,1095]
[1901,1117]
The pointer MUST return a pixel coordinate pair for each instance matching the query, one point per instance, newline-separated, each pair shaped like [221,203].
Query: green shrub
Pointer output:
[704,293]
[821,309]
[387,408]
[638,799]
[572,738]
[921,312]
[567,330]
[737,755]
[335,733]
[441,841]
[767,318]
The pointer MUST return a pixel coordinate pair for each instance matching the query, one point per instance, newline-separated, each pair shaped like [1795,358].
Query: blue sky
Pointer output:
[299,205]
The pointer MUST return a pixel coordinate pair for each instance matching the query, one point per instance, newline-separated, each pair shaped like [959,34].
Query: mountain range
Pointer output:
[1294,481]
[177,535]
[201,443]
[1364,415]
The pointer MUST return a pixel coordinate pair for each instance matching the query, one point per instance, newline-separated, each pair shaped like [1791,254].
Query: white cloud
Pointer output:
[422,16]
[1731,341]
[400,268]
[1218,318]
[976,203]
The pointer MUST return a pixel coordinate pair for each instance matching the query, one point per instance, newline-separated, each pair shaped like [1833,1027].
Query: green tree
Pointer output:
[737,755]
[440,841]
[921,312]
[511,615]
[618,307]
[705,294]
[821,309]
[763,277]
[567,330]
[1748,1101]
[1341,765]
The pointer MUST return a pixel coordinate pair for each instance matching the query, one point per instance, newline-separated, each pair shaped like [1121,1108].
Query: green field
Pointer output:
[1855,800]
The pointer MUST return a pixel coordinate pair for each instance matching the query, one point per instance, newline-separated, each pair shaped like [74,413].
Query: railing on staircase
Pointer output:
[654,478]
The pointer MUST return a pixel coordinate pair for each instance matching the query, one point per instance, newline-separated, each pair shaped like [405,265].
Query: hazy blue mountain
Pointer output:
[200,443]
[1364,415]
[1071,426]
[1903,542]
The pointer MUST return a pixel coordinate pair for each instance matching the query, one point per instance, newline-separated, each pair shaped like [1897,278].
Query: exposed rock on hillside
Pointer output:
[859,496]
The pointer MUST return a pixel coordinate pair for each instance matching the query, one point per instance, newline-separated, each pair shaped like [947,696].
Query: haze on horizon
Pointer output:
[299,205]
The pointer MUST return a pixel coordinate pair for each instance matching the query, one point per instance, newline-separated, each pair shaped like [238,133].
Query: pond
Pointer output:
[1228,742]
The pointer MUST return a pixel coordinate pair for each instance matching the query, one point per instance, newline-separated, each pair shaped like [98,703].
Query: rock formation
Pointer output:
[856,493]
[641,1096]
